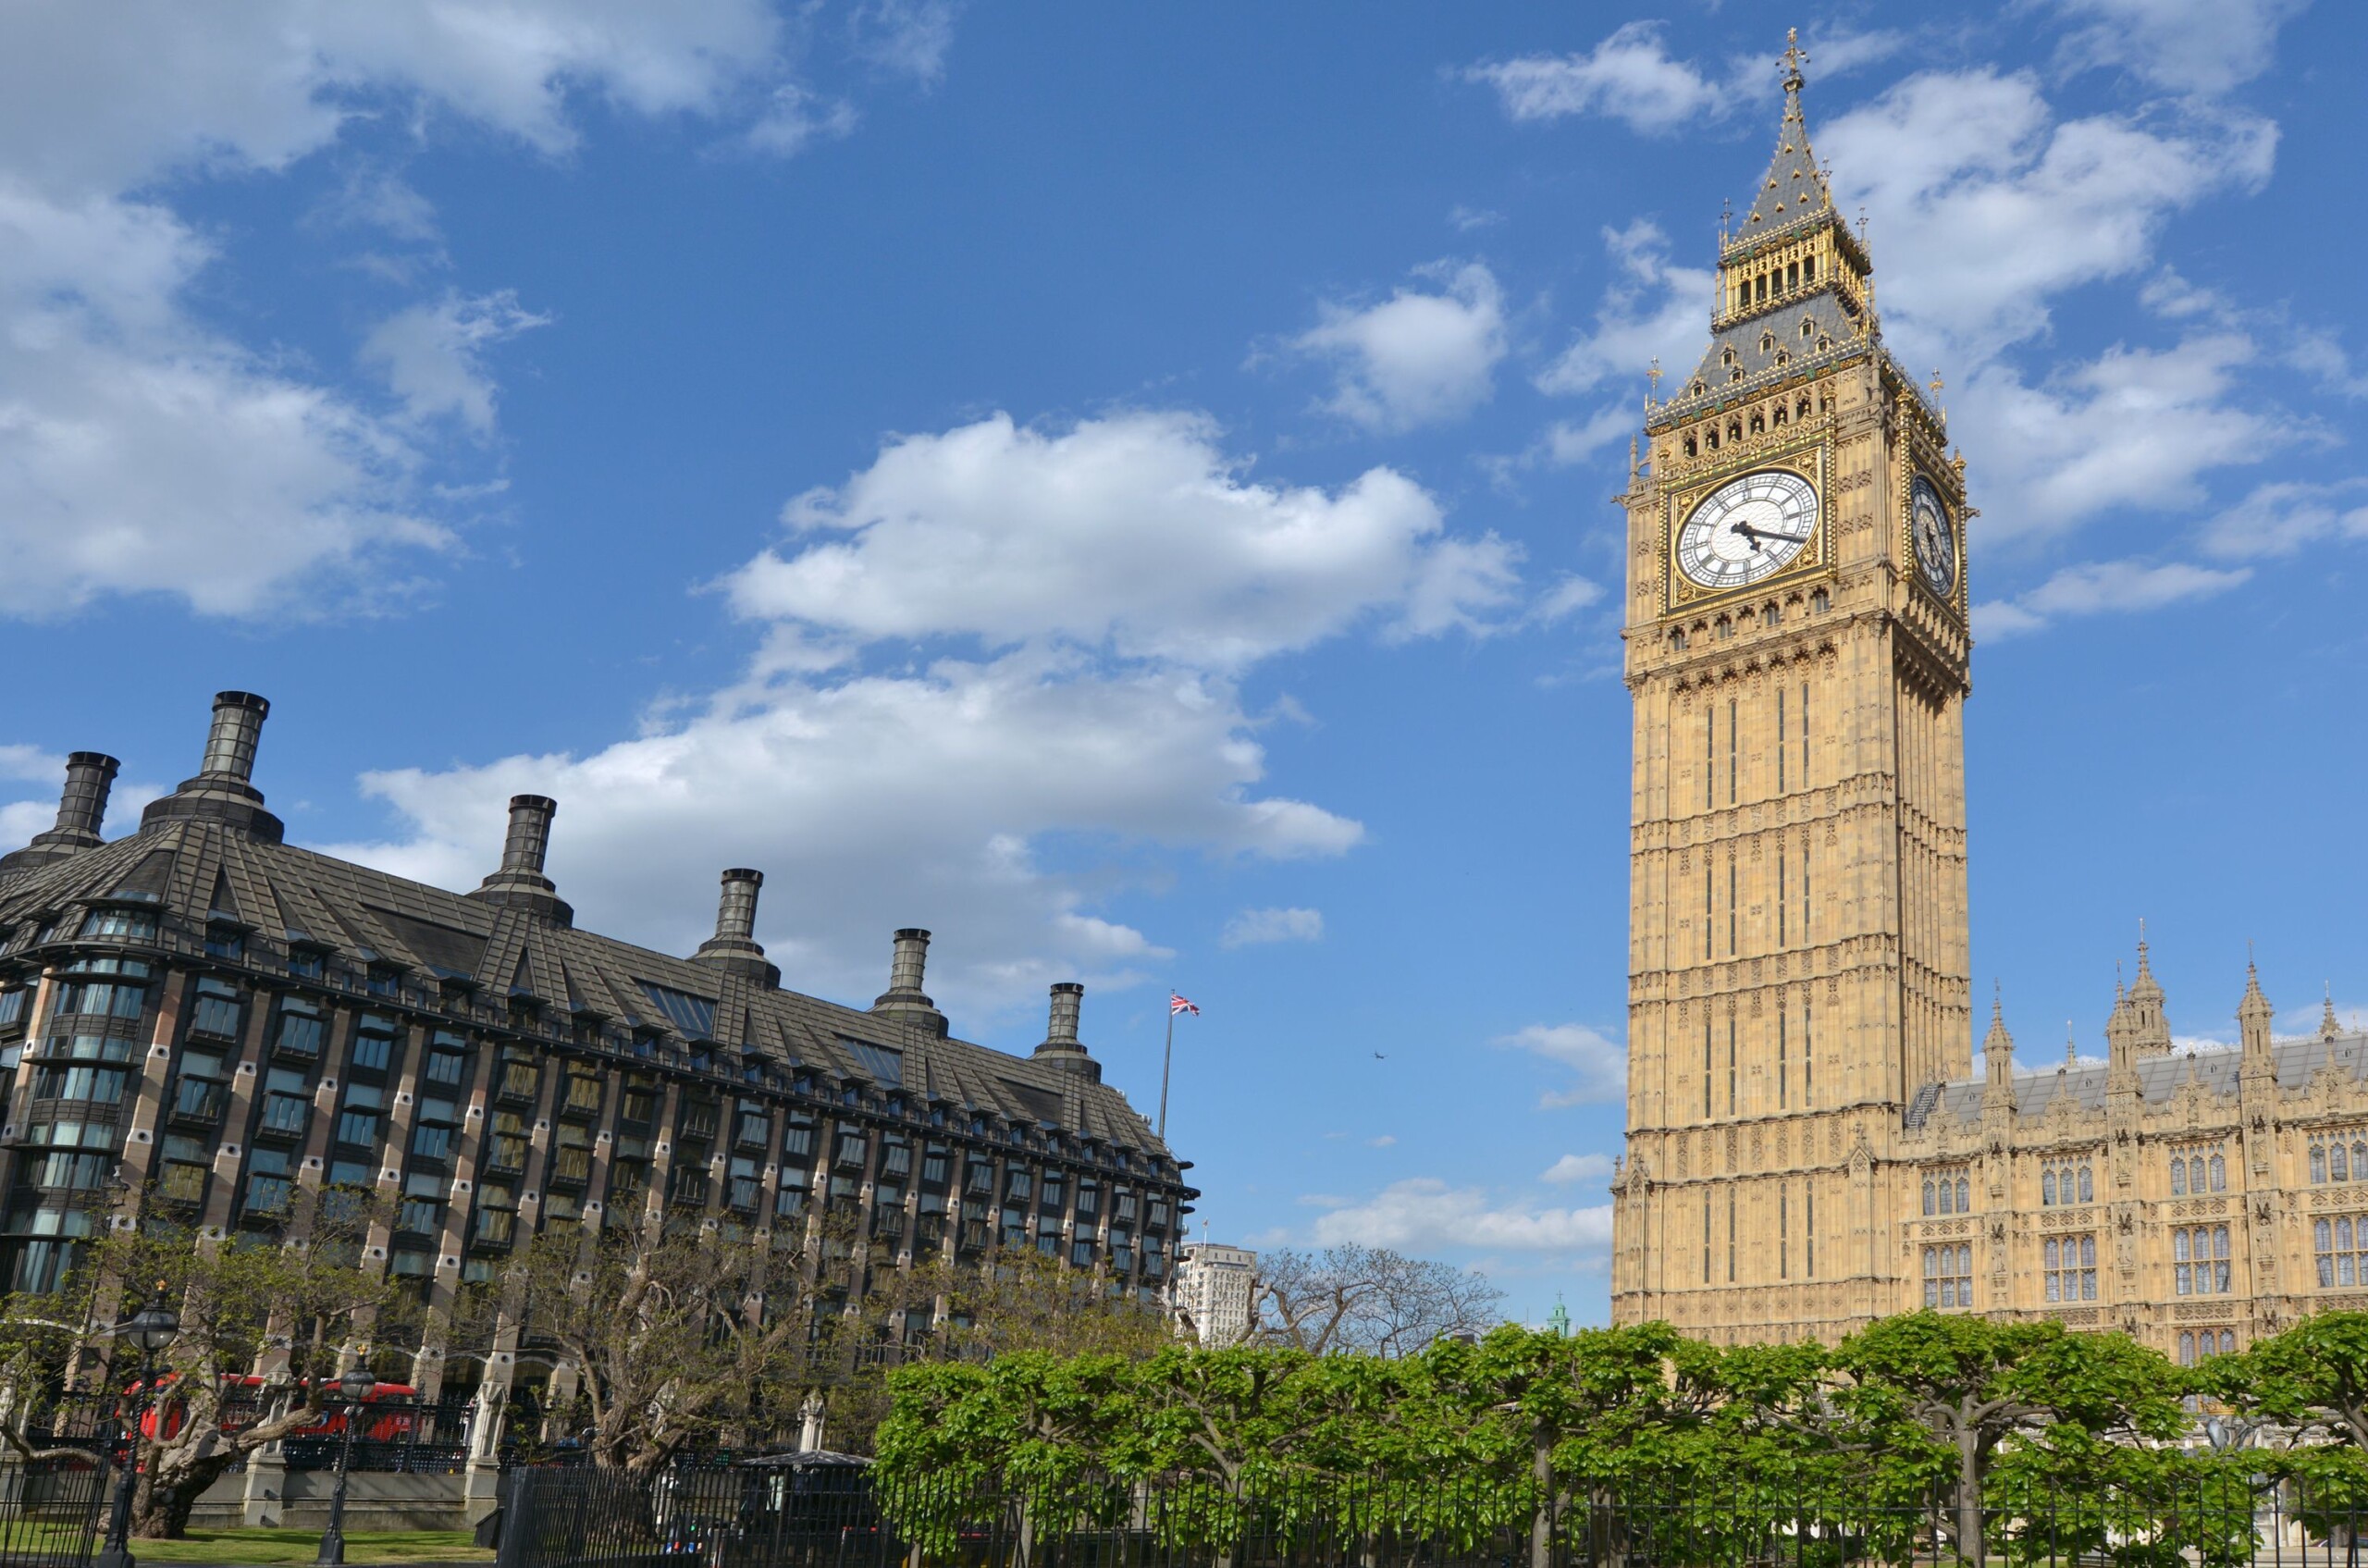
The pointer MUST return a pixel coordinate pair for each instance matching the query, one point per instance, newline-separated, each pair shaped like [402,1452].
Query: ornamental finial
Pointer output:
[1793,61]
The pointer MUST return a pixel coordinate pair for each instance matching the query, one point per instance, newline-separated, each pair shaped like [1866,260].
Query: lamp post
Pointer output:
[356,1384]
[152,1329]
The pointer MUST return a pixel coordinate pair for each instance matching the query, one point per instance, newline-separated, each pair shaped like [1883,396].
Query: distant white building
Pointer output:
[1213,1291]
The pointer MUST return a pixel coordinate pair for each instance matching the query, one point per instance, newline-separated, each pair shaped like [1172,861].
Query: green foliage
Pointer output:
[2015,1441]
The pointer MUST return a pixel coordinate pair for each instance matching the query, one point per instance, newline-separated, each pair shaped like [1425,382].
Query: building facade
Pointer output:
[214,1021]
[1807,1147]
[1213,1287]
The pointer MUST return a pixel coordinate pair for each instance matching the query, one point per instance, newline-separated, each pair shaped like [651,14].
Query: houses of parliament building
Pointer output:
[1808,1146]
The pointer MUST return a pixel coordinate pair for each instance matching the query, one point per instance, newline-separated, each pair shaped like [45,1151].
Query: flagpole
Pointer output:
[1166,1057]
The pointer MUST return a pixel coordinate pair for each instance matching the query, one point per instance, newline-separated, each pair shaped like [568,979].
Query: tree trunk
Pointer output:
[1970,1499]
[1541,1519]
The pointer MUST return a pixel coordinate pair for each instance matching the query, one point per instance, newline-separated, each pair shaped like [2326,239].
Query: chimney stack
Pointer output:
[90,776]
[230,744]
[223,790]
[904,998]
[734,946]
[529,838]
[1061,1047]
[521,883]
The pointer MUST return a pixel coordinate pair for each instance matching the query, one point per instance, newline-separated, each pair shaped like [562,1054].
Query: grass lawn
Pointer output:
[303,1545]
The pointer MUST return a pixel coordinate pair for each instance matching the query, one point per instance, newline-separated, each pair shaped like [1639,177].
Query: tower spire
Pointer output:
[2328,1026]
[1795,184]
[2253,1014]
[1998,1046]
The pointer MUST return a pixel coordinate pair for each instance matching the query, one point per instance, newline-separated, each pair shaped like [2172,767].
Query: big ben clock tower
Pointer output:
[1797,655]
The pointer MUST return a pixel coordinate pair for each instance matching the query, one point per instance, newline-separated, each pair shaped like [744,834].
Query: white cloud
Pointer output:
[1121,573]
[1629,77]
[1422,1215]
[2283,517]
[144,452]
[2133,427]
[1977,232]
[1568,595]
[1598,1064]
[909,37]
[31,764]
[2192,46]
[1419,358]
[1133,532]
[1577,1168]
[795,118]
[1653,310]
[432,356]
[1386,1141]
[1254,926]
[2100,587]
[879,801]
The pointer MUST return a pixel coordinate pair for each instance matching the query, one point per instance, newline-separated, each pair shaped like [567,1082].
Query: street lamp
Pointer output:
[152,1329]
[356,1384]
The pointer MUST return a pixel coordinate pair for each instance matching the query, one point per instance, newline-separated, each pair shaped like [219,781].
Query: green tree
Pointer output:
[1945,1392]
[288,1305]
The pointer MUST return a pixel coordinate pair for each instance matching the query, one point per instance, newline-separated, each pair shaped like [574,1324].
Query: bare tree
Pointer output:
[284,1306]
[1366,1299]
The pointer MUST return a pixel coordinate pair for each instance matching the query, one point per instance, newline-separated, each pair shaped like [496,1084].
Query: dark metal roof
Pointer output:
[2159,1079]
[371,918]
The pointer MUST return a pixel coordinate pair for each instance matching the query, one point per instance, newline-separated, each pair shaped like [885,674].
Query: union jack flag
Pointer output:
[1178,1004]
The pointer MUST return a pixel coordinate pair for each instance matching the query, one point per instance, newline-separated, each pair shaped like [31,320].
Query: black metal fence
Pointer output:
[423,1436]
[51,1511]
[771,1516]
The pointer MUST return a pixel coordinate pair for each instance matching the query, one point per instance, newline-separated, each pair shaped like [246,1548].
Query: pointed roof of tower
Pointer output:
[2144,986]
[1997,1036]
[2328,1025]
[1795,186]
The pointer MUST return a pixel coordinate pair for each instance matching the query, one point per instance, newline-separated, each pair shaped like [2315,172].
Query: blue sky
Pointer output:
[1127,488]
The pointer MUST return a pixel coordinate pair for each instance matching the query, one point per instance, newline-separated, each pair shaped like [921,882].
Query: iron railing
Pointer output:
[792,1514]
[51,1511]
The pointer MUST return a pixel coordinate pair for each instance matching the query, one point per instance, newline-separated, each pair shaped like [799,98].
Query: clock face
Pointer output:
[1935,536]
[1746,529]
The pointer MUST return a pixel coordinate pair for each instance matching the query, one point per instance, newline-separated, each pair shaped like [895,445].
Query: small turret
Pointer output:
[734,946]
[2252,1018]
[1061,1046]
[520,883]
[2329,1025]
[904,998]
[1998,1048]
[224,789]
[90,776]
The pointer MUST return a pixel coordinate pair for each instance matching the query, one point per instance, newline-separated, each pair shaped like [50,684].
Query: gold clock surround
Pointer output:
[1805,458]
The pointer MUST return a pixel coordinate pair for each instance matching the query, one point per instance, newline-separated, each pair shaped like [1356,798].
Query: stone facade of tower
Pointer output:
[1797,656]
[1807,1147]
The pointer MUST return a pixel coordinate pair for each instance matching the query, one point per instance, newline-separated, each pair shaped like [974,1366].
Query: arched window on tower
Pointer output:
[1964,1196]
[1801,409]
[1928,1199]
[1808,269]
[2219,1174]
[2088,1187]
[2178,1178]
[2360,1159]
[2047,1196]
[1758,425]
[2339,1164]
[1778,416]
[2318,1165]
[1820,601]
[1689,447]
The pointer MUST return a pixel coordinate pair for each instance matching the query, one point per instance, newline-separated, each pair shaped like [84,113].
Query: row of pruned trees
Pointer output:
[643,1343]
[1919,1421]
